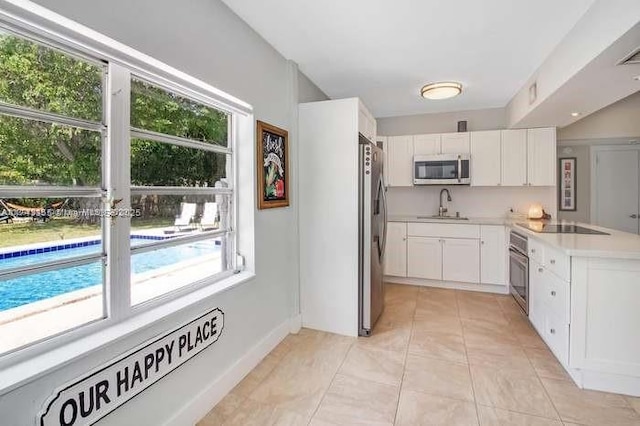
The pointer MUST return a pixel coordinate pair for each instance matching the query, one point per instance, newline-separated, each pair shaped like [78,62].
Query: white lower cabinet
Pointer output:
[395,255]
[424,258]
[460,260]
[549,301]
[493,255]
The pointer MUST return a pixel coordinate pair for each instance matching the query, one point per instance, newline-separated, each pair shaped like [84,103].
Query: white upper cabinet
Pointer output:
[514,157]
[400,153]
[366,123]
[541,153]
[485,158]
[426,144]
[455,143]
[395,257]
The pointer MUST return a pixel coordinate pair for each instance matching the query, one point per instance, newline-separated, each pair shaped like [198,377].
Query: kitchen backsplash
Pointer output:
[470,201]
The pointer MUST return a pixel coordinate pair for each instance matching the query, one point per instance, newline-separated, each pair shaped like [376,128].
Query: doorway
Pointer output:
[615,187]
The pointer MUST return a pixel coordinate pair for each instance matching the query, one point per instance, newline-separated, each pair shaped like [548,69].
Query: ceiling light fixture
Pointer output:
[441,90]
[575,114]
[637,78]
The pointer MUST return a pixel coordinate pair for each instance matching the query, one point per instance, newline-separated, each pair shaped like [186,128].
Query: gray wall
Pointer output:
[308,91]
[481,119]
[583,182]
[205,39]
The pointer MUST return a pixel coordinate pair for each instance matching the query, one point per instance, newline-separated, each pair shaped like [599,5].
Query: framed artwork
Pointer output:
[273,171]
[567,183]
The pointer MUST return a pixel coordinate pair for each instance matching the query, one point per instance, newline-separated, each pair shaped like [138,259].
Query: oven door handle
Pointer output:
[459,168]
[519,257]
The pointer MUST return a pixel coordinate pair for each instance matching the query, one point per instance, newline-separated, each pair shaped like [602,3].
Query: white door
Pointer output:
[426,144]
[395,261]
[485,158]
[400,160]
[514,157]
[460,260]
[616,189]
[455,143]
[424,258]
[541,156]
[493,255]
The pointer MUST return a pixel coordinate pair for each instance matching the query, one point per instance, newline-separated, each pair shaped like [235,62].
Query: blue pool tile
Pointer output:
[32,252]
[47,249]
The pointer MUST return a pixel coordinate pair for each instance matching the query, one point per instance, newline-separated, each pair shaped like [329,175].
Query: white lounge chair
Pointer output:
[187,213]
[209,217]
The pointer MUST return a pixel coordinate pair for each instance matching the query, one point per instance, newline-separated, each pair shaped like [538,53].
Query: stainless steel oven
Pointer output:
[519,269]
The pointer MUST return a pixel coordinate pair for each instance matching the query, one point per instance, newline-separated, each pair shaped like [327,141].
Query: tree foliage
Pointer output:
[45,79]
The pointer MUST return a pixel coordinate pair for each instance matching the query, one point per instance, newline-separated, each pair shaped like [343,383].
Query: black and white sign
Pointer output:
[93,396]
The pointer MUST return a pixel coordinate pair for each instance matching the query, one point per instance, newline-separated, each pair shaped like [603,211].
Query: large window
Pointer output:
[109,201]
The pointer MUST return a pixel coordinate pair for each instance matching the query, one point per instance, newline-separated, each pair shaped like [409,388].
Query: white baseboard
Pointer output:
[295,324]
[202,403]
[606,382]
[485,288]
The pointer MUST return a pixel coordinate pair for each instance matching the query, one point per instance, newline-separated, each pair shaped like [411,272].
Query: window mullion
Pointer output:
[117,180]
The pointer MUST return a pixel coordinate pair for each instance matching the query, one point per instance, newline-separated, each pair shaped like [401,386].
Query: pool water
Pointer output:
[31,288]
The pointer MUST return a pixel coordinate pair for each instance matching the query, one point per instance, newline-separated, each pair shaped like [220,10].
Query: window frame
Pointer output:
[121,318]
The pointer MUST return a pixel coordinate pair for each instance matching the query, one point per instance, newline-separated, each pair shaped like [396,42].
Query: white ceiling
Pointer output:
[383,51]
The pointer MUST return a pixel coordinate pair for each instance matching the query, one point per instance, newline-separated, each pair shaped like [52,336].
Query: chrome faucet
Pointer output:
[442,210]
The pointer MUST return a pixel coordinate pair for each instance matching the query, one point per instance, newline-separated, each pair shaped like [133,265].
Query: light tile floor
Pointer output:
[436,357]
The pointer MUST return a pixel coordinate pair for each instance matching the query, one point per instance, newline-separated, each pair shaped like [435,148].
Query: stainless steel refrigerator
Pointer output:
[372,231]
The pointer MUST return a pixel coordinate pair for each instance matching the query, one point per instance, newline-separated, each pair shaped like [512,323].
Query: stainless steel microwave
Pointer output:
[442,169]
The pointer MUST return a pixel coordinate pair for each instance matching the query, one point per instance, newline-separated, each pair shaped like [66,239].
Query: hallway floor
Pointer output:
[437,357]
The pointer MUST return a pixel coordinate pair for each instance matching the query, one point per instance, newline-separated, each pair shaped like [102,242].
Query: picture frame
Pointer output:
[567,190]
[272,163]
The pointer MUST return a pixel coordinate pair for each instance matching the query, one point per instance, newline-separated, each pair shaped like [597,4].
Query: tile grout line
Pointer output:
[466,353]
[333,378]
[406,355]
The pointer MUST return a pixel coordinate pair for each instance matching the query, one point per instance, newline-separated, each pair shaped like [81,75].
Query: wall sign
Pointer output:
[273,170]
[93,396]
[567,183]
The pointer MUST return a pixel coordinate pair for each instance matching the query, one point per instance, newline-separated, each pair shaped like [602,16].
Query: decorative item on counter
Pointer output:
[535,225]
[536,212]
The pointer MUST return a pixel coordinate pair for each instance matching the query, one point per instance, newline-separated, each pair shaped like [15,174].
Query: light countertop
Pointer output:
[617,245]
[472,220]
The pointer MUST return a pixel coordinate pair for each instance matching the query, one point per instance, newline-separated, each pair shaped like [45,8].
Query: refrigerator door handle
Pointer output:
[384,209]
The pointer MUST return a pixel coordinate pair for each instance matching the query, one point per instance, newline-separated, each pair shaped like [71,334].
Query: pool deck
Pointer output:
[36,321]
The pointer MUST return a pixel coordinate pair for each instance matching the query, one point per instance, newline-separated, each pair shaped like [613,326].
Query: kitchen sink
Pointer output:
[435,216]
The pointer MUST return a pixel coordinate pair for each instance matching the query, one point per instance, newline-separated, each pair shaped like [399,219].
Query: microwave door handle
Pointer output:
[459,168]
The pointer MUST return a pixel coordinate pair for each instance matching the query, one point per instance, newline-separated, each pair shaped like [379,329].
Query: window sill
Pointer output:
[28,370]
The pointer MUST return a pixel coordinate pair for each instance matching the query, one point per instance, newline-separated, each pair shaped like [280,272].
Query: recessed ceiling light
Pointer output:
[441,90]
[575,114]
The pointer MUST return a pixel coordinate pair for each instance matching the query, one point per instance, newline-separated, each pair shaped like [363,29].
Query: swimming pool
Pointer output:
[32,288]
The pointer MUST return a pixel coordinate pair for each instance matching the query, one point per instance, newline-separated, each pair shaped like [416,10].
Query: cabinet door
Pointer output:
[461,260]
[400,160]
[426,144]
[537,296]
[493,255]
[395,257]
[485,158]
[455,143]
[514,157]
[424,258]
[541,156]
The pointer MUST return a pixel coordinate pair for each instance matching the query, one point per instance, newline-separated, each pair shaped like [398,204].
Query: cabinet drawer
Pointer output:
[557,296]
[536,251]
[445,230]
[558,263]
[556,335]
